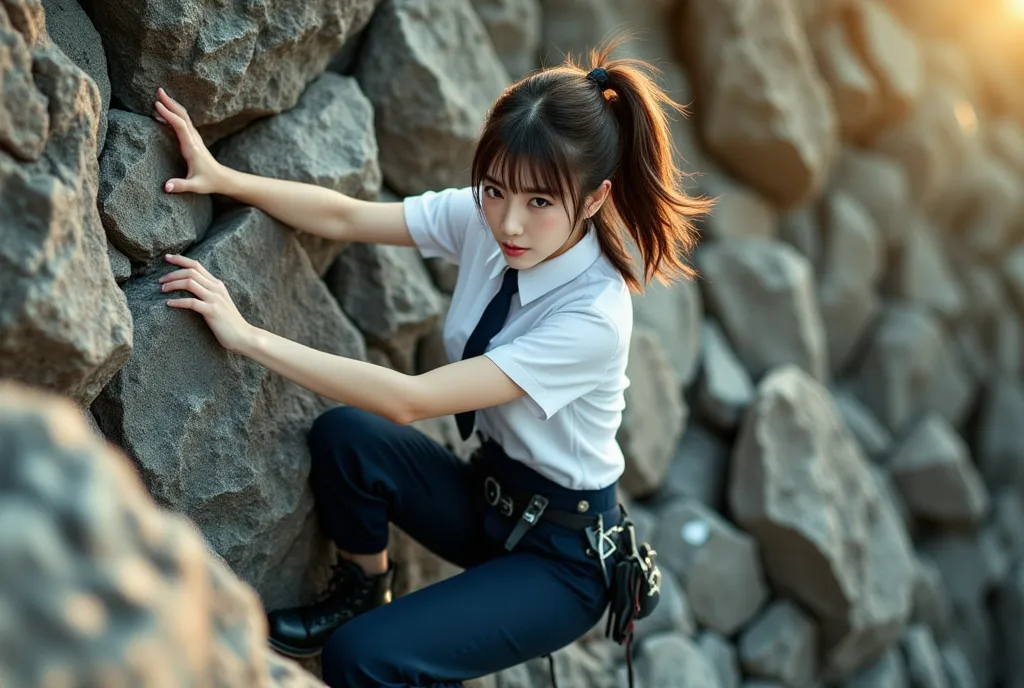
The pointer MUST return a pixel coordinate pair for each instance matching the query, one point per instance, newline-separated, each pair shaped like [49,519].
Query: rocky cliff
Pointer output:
[823,431]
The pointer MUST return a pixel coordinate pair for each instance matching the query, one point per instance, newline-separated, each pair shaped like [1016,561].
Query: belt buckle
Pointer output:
[492,493]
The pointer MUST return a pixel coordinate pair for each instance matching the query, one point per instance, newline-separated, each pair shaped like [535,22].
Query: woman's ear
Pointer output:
[597,199]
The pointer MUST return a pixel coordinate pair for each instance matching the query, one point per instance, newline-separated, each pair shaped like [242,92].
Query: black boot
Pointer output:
[302,631]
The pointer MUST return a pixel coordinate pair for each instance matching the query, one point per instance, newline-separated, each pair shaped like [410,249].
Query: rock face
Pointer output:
[822,430]
[387,292]
[140,222]
[450,75]
[762,292]
[64,324]
[101,586]
[330,141]
[801,486]
[718,565]
[232,65]
[765,110]
[230,451]
[655,417]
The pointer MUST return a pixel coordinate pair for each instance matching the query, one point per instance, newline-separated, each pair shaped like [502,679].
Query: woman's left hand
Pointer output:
[210,299]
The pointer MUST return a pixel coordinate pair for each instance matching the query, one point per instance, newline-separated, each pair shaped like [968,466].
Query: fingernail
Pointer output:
[170,187]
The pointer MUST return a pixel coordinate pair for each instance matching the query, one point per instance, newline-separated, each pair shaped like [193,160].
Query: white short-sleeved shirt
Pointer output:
[565,342]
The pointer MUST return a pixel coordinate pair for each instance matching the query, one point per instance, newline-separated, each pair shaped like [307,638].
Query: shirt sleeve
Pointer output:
[439,221]
[563,358]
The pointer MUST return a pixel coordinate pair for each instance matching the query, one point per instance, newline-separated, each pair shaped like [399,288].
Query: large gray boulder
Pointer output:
[718,564]
[140,218]
[228,64]
[932,468]
[102,587]
[830,540]
[70,28]
[514,27]
[781,644]
[673,313]
[763,108]
[654,418]
[431,72]
[891,53]
[217,436]
[909,367]
[879,184]
[763,294]
[387,292]
[64,324]
[851,267]
[671,660]
[327,139]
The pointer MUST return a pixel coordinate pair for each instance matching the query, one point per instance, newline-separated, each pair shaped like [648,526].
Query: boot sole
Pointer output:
[293,652]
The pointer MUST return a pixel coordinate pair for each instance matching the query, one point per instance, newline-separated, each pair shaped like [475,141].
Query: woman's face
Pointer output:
[533,225]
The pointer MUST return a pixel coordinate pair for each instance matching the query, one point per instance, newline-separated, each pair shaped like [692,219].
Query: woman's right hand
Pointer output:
[204,172]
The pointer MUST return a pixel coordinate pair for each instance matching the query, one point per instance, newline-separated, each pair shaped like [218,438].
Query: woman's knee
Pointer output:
[354,657]
[337,432]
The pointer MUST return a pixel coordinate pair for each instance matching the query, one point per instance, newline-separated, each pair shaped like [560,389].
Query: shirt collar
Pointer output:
[537,281]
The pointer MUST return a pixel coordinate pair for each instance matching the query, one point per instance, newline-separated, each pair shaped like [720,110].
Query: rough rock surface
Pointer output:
[441,55]
[141,220]
[330,142]
[909,367]
[232,63]
[718,565]
[101,586]
[70,28]
[762,293]
[386,291]
[655,415]
[781,645]
[801,486]
[872,153]
[933,469]
[230,448]
[765,111]
[64,324]
[725,389]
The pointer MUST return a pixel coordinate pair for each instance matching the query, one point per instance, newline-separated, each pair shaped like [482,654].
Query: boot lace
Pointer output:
[344,594]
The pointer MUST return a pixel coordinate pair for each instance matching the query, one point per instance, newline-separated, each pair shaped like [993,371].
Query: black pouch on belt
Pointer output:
[631,574]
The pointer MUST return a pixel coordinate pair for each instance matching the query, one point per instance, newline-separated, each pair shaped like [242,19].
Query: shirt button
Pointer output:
[582,506]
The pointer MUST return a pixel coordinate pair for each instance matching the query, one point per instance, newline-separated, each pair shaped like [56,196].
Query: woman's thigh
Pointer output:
[369,471]
[496,615]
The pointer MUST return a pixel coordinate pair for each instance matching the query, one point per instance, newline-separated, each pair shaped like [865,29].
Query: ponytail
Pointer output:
[648,200]
[570,129]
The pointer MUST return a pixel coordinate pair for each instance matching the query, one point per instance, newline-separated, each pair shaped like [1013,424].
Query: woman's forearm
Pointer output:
[355,383]
[306,207]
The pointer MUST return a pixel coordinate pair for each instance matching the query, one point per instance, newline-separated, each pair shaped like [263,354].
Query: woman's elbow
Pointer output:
[408,407]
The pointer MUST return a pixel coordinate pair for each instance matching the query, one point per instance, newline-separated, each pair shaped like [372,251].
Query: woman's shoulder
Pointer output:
[604,294]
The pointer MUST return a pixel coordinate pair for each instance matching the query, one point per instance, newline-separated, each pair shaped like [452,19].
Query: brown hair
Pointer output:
[569,134]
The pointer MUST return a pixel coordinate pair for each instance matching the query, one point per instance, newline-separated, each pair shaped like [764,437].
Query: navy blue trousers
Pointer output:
[503,609]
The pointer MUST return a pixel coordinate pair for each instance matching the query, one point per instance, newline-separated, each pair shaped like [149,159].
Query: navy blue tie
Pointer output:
[490,324]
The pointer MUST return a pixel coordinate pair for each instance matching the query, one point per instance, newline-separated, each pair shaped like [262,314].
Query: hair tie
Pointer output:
[599,77]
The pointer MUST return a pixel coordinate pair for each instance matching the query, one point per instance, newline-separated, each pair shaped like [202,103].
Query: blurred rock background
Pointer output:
[824,431]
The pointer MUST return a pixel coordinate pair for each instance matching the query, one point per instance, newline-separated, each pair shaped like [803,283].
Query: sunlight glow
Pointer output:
[1016,6]
[966,116]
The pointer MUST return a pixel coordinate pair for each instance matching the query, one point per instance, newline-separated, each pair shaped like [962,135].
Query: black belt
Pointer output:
[531,509]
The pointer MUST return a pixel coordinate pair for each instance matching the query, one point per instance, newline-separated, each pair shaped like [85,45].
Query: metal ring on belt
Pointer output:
[509,502]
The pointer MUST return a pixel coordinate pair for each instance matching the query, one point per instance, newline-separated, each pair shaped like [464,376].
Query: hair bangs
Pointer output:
[522,155]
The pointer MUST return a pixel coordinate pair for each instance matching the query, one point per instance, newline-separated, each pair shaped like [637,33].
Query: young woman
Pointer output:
[570,165]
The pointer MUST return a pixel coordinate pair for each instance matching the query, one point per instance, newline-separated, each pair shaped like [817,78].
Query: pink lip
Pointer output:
[512,249]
